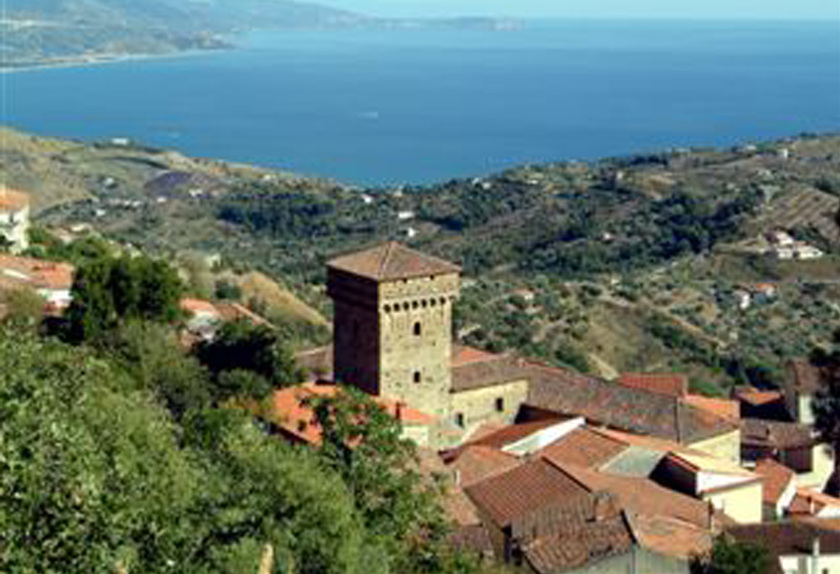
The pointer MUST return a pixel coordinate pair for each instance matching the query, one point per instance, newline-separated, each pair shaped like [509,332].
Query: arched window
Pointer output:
[417,376]
[418,329]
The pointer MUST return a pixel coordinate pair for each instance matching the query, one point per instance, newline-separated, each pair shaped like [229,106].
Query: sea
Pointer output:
[385,108]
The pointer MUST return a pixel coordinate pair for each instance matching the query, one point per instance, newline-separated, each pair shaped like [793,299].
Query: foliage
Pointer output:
[96,477]
[826,404]
[24,308]
[363,444]
[110,291]
[733,557]
[226,290]
[249,359]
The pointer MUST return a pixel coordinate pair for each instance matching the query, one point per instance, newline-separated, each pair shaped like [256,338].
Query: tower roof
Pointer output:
[392,261]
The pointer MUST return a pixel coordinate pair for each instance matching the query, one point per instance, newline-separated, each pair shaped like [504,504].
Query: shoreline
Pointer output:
[107,59]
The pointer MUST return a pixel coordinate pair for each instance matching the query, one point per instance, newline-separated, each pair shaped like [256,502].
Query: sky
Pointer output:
[705,9]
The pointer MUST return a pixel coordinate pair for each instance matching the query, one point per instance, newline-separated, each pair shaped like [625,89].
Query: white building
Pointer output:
[14,218]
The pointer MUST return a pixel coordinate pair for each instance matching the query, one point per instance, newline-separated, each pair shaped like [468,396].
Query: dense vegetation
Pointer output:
[124,452]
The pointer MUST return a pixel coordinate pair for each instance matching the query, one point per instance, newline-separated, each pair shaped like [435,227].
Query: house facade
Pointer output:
[14,219]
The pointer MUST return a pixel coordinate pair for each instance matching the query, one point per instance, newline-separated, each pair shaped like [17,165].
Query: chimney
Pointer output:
[603,506]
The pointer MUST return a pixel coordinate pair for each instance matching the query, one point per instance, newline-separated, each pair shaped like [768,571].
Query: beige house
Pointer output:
[14,219]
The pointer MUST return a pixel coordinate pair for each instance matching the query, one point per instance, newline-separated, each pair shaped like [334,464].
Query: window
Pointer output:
[459,420]
[500,405]
[418,329]
[417,376]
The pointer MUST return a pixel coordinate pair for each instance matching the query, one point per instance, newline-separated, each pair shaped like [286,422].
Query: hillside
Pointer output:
[38,32]
[637,263]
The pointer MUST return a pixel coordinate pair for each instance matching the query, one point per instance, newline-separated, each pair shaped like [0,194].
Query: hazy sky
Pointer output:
[717,9]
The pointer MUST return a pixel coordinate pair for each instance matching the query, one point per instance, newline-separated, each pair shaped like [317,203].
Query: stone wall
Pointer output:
[480,406]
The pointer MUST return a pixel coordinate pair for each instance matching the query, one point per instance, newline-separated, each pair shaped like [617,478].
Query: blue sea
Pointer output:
[389,107]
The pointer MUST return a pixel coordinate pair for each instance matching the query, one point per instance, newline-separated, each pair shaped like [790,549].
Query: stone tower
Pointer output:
[393,325]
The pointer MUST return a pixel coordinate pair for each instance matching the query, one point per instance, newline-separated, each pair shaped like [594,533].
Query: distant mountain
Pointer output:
[55,31]
[44,32]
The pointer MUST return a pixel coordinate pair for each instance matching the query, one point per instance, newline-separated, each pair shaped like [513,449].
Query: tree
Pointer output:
[826,405]
[240,348]
[24,308]
[364,444]
[729,556]
[108,292]
[151,353]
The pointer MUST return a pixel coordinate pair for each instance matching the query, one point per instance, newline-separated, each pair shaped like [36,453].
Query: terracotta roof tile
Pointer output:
[199,307]
[668,537]
[583,447]
[477,463]
[787,539]
[580,544]
[13,200]
[723,408]
[37,273]
[296,419]
[524,490]
[643,496]
[493,371]
[758,398]
[462,355]
[391,262]
[777,479]
[774,434]
[810,502]
[671,384]
[604,403]
[510,434]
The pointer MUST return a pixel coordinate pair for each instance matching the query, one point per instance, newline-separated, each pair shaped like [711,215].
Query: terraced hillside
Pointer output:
[624,264]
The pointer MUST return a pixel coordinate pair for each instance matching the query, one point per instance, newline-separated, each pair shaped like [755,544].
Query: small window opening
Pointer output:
[418,329]
[500,405]
[417,376]
[459,420]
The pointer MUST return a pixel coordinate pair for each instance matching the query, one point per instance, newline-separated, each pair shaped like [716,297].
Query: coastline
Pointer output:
[107,59]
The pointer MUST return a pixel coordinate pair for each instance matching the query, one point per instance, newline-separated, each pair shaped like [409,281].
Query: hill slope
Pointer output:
[624,264]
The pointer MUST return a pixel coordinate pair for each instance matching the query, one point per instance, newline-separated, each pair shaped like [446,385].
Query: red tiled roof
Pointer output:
[510,434]
[490,371]
[758,398]
[774,434]
[13,200]
[390,262]
[795,538]
[723,408]
[199,307]
[668,537]
[37,273]
[580,543]
[629,409]
[525,489]
[671,384]
[643,495]
[809,502]
[462,355]
[777,479]
[476,463]
[290,412]
[583,447]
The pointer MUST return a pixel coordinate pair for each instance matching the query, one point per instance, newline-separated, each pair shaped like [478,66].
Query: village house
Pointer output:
[392,339]
[779,488]
[811,547]
[204,319]
[14,219]
[51,280]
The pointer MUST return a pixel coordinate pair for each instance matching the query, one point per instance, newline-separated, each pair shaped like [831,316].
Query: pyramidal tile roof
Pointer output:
[392,261]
